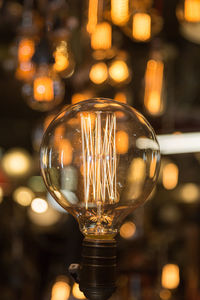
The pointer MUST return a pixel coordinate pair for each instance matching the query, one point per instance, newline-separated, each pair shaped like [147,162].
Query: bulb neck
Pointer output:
[98,269]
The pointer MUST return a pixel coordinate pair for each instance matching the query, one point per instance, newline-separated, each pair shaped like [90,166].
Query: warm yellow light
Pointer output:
[121,97]
[65,152]
[99,73]
[39,205]
[127,230]
[23,196]
[101,38]
[189,193]
[77,97]
[26,50]
[170,276]
[119,71]
[77,293]
[141,29]
[122,142]
[44,219]
[119,11]
[43,89]
[16,162]
[1,194]
[170,176]
[25,71]
[60,291]
[61,57]
[92,15]
[165,294]
[192,10]
[153,101]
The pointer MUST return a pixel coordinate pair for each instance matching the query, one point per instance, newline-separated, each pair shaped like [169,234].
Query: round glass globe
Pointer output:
[100,160]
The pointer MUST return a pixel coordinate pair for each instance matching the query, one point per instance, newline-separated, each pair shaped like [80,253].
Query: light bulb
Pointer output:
[97,168]
[45,91]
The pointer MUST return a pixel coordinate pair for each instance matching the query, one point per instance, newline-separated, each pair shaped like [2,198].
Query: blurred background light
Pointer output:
[23,196]
[127,230]
[120,11]
[170,276]
[60,289]
[36,184]
[170,176]
[43,215]
[98,73]
[189,193]
[39,205]
[119,71]
[141,29]
[165,294]
[1,194]
[101,38]
[17,162]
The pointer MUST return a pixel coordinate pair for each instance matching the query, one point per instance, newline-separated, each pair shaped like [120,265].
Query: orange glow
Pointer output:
[152,167]
[121,97]
[76,292]
[98,73]
[165,294]
[122,142]
[65,152]
[127,230]
[59,134]
[48,120]
[101,38]
[153,87]
[119,11]
[92,15]
[170,176]
[25,71]
[61,57]
[170,276]
[192,10]
[26,50]
[141,29]
[81,96]
[119,71]
[60,291]
[43,89]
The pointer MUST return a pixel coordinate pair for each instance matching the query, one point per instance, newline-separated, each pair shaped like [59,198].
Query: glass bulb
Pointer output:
[45,91]
[100,160]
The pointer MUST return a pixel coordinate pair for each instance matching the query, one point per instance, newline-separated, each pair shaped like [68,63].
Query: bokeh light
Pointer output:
[23,196]
[98,73]
[170,276]
[39,205]
[76,292]
[127,230]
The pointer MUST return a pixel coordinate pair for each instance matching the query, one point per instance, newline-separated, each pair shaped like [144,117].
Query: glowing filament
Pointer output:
[26,50]
[141,29]
[119,11]
[99,159]
[119,71]
[92,15]
[192,10]
[101,38]
[170,276]
[61,57]
[43,89]
[153,87]
[98,73]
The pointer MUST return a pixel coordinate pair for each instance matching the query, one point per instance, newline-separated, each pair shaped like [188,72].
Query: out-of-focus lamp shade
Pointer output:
[141,27]
[119,71]
[17,163]
[26,49]
[92,15]
[127,230]
[120,12]
[98,73]
[76,292]
[170,176]
[101,38]
[170,276]
[60,290]
[23,196]
[153,96]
